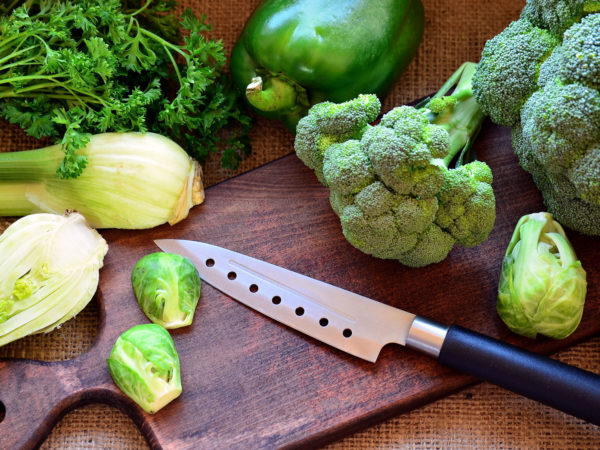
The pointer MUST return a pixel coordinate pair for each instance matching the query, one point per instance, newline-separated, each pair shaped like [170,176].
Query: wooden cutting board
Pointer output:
[249,382]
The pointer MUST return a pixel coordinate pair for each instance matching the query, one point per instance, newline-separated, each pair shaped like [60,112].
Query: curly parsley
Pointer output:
[72,69]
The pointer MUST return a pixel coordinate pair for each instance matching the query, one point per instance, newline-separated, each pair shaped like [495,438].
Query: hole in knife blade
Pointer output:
[232,275]
[347,332]
[276,300]
[253,288]
[324,322]
[299,311]
[210,262]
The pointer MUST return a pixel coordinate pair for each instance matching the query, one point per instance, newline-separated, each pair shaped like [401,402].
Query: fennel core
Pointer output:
[132,181]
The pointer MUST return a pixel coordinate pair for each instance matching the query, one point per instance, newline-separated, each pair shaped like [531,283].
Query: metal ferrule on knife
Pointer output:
[426,336]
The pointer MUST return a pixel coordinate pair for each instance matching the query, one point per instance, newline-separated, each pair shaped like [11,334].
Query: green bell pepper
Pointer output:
[293,54]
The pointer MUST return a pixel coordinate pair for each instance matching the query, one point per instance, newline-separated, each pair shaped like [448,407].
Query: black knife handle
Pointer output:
[561,386]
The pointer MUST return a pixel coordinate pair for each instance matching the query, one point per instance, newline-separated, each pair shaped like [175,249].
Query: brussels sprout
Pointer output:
[167,287]
[145,366]
[542,285]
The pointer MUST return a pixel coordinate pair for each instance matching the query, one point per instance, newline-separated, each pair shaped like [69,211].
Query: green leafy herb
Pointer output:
[72,69]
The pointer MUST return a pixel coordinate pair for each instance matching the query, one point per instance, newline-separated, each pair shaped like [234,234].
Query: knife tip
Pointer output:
[162,243]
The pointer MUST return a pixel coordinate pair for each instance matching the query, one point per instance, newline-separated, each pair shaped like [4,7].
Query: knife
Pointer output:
[361,327]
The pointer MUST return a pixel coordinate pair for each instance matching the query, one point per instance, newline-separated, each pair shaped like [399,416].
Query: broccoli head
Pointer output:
[508,70]
[391,184]
[551,99]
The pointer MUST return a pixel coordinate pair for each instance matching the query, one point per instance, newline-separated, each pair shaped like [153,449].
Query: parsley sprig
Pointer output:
[72,69]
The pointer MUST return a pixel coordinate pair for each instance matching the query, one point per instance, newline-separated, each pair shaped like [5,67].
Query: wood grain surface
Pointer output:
[249,382]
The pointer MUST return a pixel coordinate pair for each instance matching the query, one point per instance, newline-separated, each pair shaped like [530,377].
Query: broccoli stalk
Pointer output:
[459,113]
[396,186]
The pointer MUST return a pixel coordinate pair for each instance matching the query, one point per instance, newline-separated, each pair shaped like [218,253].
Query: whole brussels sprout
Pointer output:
[167,287]
[542,285]
[144,364]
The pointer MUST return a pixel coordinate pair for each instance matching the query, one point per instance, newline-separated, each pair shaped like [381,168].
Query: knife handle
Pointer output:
[561,386]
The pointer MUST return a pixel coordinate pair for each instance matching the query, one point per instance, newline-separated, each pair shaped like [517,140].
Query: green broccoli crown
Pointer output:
[556,119]
[384,187]
[572,195]
[508,70]
[389,183]
[328,123]
[397,200]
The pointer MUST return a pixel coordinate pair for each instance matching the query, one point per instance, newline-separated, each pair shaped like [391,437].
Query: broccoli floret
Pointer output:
[559,123]
[346,168]
[570,211]
[467,202]
[339,202]
[585,175]
[392,187]
[376,199]
[378,236]
[577,60]
[403,161]
[413,215]
[508,70]
[558,15]
[433,246]
[580,53]
[329,123]
[556,124]
[550,70]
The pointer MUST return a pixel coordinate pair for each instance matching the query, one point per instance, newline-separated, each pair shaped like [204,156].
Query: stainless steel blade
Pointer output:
[345,320]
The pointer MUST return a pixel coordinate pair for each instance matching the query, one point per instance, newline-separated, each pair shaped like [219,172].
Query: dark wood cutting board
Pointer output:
[249,382]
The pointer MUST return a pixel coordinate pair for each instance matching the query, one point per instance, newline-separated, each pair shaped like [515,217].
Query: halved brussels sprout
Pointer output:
[542,285]
[144,364]
[167,287]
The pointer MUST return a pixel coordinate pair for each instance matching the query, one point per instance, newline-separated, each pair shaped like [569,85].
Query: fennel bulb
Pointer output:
[131,181]
[49,270]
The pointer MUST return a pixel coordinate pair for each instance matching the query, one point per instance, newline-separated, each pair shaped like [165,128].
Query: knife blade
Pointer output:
[362,327]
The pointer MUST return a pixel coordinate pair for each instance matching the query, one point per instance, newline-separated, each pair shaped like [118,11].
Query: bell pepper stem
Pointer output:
[272,94]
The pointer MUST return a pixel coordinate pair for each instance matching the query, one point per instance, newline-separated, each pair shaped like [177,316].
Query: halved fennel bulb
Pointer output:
[49,270]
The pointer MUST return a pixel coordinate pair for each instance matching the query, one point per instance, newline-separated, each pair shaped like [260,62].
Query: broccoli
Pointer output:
[541,76]
[397,186]
[334,124]
[509,67]
[557,15]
